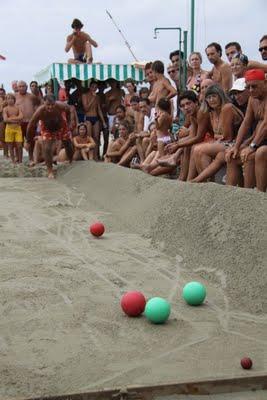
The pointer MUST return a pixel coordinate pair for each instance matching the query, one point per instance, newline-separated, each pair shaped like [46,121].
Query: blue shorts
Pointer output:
[80,57]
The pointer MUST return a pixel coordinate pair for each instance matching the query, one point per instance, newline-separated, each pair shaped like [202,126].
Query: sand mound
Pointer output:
[8,170]
[62,330]
[221,231]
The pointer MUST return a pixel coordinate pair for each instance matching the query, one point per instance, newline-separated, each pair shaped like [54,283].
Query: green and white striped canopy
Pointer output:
[84,72]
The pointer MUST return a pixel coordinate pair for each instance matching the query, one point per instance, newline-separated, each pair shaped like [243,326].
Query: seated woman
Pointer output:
[120,146]
[84,144]
[225,120]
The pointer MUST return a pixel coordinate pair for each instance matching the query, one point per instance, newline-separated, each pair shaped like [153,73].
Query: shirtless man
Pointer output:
[2,124]
[263,51]
[81,44]
[93,115]
[54,127]
[35,90]
[221,73]
[113,99]
[162,87]
[28,103]
[242,153]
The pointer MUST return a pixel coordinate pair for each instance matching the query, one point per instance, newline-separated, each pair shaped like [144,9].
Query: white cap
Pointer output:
[239,85]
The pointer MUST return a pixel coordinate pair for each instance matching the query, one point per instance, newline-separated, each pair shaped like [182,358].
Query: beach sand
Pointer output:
[62,329]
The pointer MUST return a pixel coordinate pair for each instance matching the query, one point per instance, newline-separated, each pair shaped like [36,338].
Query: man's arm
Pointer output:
[92,41]
[255,64]
[70,41]
[246,125]
[203,127]
[32,124]
[227,78]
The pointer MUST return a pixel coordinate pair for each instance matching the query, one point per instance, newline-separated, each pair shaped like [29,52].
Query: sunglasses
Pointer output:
[263,48]
[171,71]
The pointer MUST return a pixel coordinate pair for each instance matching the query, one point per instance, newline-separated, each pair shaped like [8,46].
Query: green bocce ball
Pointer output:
[194,293]
[157,310]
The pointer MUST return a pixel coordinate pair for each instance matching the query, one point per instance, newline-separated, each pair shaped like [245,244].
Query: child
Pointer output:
[12,116]
[163,121]
[84,144]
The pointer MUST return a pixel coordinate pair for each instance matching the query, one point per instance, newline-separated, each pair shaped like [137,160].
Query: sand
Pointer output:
[61,327]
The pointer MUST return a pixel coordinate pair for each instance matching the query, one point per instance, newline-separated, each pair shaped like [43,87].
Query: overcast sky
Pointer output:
[33,32]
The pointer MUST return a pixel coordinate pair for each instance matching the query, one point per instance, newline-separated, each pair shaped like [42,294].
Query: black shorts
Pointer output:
[80,57]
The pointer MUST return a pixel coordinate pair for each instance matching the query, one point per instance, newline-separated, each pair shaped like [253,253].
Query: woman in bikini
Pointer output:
[225,120]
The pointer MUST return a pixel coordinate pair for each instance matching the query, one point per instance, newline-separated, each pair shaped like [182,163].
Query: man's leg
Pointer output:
[18,146]
[261,168]
[185,164]
[192,172]
[48,156]
[88,53]
[249,172]
[106,140]
[234,174]
[96,137]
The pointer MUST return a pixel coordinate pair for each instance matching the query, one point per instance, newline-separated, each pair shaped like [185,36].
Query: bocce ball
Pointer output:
[157,310]
[246,363]
[97,229]
[194,293]
[133,303]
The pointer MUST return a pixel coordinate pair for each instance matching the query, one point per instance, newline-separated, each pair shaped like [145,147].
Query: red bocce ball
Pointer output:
[133,303]
[97,229]
[246,363]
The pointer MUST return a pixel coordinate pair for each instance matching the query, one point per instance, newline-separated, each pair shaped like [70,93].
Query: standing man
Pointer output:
[54,120]
[221,73]
[93,115]
[27,103]
[81,44]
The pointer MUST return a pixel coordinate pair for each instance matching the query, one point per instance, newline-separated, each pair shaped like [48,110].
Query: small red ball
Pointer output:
[97,229]
[133,303]
[246,363]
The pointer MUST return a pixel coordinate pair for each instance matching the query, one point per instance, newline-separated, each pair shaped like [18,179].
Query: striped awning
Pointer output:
[84,72]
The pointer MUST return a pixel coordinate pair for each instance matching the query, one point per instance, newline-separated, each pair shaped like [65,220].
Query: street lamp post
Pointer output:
[184,42]
[192,41]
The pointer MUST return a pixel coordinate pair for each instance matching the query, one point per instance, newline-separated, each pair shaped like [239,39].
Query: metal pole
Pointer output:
[180,45]
[192,25]
[185,60]
[122,35]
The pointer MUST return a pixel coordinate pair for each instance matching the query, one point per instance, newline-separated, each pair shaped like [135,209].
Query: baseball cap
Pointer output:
[239,85]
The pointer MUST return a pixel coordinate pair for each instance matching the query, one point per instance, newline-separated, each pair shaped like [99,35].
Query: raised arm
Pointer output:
[258,65]
[69,43]
[227,79]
